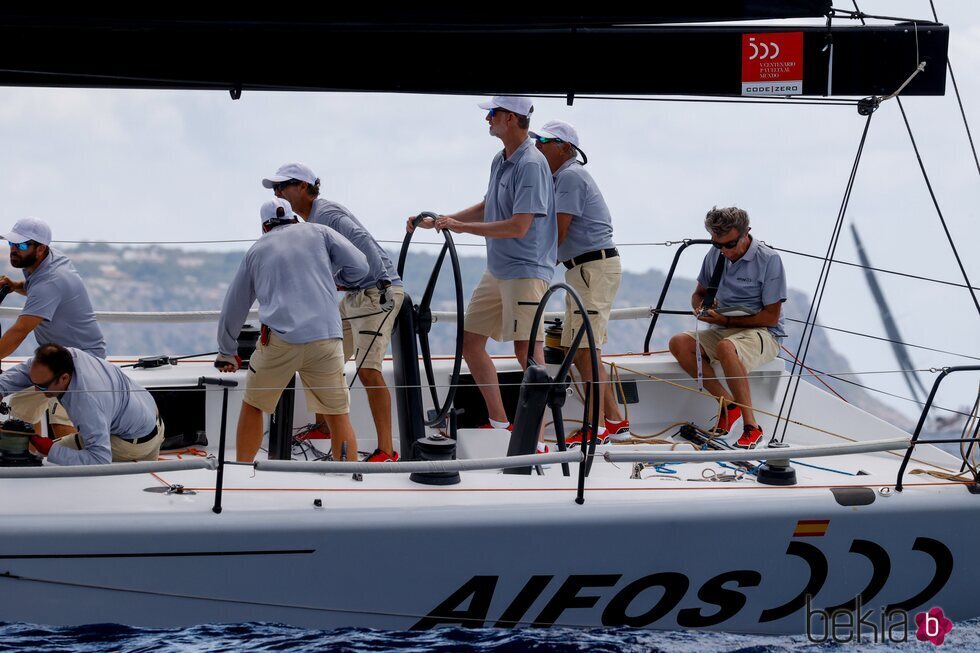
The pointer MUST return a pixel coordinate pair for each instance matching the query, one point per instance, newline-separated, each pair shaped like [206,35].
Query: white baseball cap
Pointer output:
[519,105]
[27,229]
[289,171]
[562,131]
[277,209]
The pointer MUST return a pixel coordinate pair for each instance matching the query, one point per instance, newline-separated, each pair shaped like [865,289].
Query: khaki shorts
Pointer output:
[503,309]
[367,338]
[29,405]
[755,345]
[321,368]
[123,451]
[597,283]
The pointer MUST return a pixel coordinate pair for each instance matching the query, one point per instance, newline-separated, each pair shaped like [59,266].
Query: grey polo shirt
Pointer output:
[56,293]
[755,281]
[522,184]
[293,271]
[576,194]
[101,400]
[340,219]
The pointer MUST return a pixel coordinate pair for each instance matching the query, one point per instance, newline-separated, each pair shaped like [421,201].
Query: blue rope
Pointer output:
[752,471]
[825,469]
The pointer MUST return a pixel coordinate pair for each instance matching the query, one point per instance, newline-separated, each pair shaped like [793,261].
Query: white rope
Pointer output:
[111,469]
[762,453]
[151,317]
[421,466]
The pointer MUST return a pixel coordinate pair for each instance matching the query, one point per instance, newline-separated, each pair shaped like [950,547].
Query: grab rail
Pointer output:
[658,309]
[946,371]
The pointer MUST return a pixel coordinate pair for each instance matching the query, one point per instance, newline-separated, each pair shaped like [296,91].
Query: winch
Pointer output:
[15,441]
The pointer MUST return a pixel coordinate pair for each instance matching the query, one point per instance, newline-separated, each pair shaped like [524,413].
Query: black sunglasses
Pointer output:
[545,140]
[279,185]
[496,110]
[729,245]
[44,387]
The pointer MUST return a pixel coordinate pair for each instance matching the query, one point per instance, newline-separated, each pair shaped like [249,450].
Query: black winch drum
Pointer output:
[435,448]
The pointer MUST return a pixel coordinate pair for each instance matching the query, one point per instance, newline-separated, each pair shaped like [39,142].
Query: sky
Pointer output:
[105,165]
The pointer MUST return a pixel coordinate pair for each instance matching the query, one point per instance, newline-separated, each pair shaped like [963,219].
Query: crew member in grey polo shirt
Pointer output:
[517,217]
[587,250]
[753,279]
[293,270]
[117,420]
[369,309]
[57,309]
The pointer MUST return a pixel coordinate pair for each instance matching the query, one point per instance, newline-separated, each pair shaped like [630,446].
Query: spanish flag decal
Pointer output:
[811,528]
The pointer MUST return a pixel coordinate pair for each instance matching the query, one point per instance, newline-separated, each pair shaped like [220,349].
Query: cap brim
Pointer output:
[268,182]
[486,106]
[14,237]
[544,133]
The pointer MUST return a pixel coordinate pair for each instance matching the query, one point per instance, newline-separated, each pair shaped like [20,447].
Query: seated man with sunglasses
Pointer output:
[117,420]
[369,310]
[57,309]
[751,277]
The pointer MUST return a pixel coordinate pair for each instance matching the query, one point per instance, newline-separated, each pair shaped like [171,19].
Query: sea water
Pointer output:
[105,638]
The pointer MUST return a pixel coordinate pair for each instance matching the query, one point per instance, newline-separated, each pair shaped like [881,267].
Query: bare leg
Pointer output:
[484,373]
[249,437]
[342,432]
[607,396]
[379,400]
[520,350]
[737,377]
[682,347]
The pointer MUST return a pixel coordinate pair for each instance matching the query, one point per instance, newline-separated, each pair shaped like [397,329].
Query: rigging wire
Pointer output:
[839,377]
[935,202]
[811,317]
[907,275]
[896,342]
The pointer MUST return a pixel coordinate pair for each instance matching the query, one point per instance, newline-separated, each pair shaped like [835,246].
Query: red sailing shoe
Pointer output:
[575,439]
[729,415]
[751,437]
[380,456]
[618,431]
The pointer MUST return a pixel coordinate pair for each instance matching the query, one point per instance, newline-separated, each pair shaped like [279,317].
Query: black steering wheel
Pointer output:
[562,380]
[423,318]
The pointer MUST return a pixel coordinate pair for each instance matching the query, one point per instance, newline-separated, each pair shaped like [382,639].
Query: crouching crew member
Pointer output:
[117,420]
[587,250]
[293,270]
[752,277]
[370,309]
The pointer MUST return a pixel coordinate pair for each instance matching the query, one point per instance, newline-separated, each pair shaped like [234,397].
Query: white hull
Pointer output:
[386,552]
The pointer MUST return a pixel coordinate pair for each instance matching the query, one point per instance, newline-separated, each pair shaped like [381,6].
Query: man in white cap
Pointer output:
[293,270]
[369,309]
[587,250]
[517,217]
[57,309]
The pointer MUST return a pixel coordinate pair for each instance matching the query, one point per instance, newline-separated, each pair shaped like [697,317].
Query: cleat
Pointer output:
[380,456]
[542,448]
[751,437]
[726,420]
[618,431]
